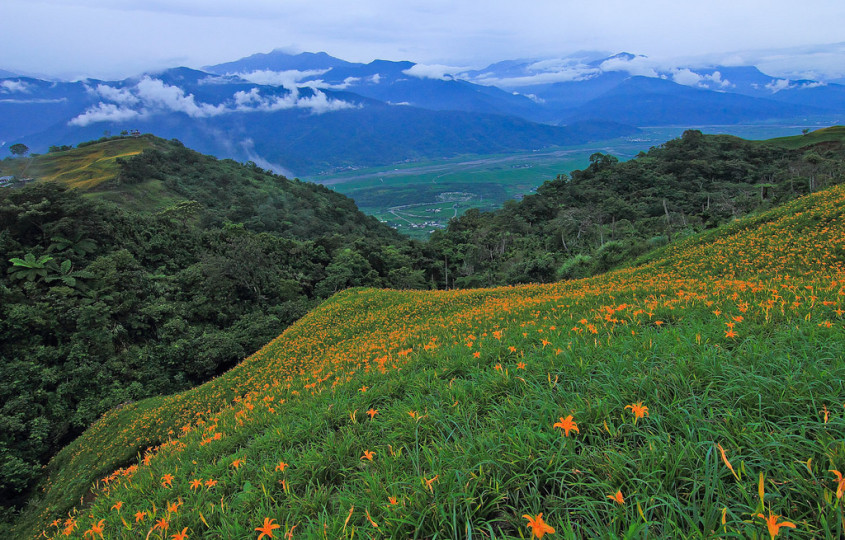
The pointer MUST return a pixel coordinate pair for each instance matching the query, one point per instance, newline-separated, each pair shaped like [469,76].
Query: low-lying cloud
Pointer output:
[687,77]
[433,71]
[151,96]
[9,86]
[778,85]
[104,112]
[638,65]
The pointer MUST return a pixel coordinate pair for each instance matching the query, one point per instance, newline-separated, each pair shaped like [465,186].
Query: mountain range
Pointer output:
[310,112]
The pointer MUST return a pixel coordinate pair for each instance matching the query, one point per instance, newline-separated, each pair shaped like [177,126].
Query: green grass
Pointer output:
[735,339]
[833,134]
[84,168]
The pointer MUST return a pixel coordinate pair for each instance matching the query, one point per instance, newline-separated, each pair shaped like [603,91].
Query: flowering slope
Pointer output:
[686,396]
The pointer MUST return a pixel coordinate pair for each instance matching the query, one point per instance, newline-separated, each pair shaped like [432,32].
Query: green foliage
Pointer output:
[733,340]
[100,305]
[19,149]
[606,215]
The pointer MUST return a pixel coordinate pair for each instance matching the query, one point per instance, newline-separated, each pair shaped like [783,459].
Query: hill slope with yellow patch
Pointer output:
[85,168]
[697,394]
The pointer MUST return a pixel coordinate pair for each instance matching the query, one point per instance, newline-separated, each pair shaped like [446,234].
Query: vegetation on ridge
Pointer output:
[698,394]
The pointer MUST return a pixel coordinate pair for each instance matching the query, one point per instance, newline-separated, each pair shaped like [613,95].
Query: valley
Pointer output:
[415,198]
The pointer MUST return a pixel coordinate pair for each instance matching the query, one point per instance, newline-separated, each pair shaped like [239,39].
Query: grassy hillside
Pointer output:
[85,168]
[833,134]
[403,414]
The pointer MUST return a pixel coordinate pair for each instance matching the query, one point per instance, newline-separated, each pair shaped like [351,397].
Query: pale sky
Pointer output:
[119,38]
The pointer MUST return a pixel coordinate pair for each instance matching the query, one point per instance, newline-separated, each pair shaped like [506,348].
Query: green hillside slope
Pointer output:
[691,396]
[85,167]
[831,135]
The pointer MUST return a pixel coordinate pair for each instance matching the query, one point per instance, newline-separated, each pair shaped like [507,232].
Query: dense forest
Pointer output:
[102,303]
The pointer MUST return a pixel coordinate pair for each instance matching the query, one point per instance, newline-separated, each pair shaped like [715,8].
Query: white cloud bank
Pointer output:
[433,71]
[9,86]
[150,96]
[785,84]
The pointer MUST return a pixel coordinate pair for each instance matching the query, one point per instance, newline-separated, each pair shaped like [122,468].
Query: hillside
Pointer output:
[833,136]
[607,214]
[85,168]
[156,280]
[703,387]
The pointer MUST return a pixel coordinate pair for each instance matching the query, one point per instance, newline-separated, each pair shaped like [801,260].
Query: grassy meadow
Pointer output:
[698,394]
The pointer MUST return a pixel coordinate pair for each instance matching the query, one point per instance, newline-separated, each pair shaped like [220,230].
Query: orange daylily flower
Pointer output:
[392,500]
[368,454]
[210,483]
[281,466]
[167,480]
[617,497]
[372,413]
[638,409]
[117,506]
[196,483]
[727,463]
[161,524]
[567,424]
[538,527]
[267,528]
[773,525]
[840,488]
[139,516]
[182,535]
[96,528]
[429,482]
[237,463]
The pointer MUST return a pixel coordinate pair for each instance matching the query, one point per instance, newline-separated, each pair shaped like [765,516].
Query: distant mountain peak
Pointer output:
[279,60]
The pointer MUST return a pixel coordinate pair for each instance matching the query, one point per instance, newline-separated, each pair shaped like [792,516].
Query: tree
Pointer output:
[29,267]
[19,149]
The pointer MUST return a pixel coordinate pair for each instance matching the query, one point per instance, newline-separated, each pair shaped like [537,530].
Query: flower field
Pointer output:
[697,394]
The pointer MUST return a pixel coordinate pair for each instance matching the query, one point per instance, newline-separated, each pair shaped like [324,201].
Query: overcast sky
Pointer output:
[119,38]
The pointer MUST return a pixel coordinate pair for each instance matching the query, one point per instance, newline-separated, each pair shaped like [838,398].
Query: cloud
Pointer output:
[248,146]
[318,102]
[569,74]
[116,95]
[686,77]
[433,71]
[36,100]
[287,79]
[785,84]
[8,86]
[290,79]
[638,65]
[532,97]
[716,78]
[151,96]
[778,84]
[104,112]
[156,94]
